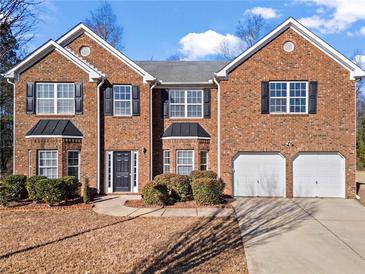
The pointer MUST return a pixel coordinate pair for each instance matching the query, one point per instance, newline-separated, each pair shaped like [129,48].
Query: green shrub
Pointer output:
[71,184]
[181,187]
[165,179]
[52,190]
[155,194]
[85,191]
[12,189]
[207,191]
[197,174]
[33,189]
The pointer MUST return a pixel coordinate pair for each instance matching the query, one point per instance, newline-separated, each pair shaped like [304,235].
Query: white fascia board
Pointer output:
[186,137]
[44,50]
[53,136]
[355,71]
[81,28]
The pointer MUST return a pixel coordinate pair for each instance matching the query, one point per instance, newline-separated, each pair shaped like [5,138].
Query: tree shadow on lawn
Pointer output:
[258,219]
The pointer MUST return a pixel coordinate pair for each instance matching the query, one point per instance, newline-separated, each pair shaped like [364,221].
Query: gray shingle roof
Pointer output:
[54,128]
[185,130]
[182,71]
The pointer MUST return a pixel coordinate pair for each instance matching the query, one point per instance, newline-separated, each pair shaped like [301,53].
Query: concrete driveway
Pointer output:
[302,235]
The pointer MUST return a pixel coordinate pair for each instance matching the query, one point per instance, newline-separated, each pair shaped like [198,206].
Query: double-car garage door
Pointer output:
[315,174]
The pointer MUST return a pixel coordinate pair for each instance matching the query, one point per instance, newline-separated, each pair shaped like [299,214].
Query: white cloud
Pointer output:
[359,60]
[195,46]
[266,13]
[342,14]
[362,31]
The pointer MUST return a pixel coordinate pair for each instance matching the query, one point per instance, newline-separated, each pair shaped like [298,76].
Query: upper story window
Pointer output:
[55,98]
[288,97]
[186,103]
[122,97]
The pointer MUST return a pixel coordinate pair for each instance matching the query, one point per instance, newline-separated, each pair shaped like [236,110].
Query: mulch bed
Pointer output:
[27,205]
[188,204]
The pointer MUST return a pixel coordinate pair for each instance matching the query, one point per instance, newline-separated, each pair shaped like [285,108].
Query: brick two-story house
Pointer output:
[278,120]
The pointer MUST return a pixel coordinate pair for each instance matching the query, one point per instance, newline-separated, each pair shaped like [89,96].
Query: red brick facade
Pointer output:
[243,127]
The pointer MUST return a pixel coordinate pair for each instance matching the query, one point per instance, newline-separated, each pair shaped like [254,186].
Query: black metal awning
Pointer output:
[185,130]
[53,129]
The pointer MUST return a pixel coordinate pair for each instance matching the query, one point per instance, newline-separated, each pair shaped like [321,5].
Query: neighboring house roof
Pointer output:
[45,49]
[176,72]
[79,29]
[54,128]
[185,131]
[355,71]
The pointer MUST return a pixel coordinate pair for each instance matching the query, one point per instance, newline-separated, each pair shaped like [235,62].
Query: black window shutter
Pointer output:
[108,101]
[265,98]
[206,103]
[313,87]
[79,104]
[165,103]
[30,104]
[135,101]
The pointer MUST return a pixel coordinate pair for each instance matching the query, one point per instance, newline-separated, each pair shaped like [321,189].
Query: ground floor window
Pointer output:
[184,162]
[166,161]
[203,160]
[73,163]
[48,163]
[29,163]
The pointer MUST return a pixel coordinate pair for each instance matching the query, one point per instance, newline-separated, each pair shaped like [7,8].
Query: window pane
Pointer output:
[48,163]
[122,92]
[45,90]
[203,160]
[177,96]
[45,106]
[177,110]
[194,110]
[184,162]
[122,100]
[122,108]
[65,91]
[298,93]
[184,170]
[166,161]
[278,96]
[194,96]
[65,106]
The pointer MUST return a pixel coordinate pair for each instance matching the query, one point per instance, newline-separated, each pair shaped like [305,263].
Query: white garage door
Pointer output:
[259,174]
[319,175]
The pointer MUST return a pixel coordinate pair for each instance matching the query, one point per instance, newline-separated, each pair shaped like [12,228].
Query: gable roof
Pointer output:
[185,131]
[54,128]
[45,49]
[355,71]
[79,29]
[170,72]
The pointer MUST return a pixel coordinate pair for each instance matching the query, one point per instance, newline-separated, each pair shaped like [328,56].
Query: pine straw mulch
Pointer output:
[81,241]
[187,204]
[26,205]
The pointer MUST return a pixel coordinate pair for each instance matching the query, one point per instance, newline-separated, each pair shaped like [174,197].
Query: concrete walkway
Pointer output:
[302,235]
[114,206]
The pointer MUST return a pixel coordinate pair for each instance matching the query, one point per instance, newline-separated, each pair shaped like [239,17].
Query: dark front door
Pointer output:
[122,171]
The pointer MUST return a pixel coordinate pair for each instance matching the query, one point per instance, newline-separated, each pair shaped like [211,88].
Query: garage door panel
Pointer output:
[259,174]
[319,175]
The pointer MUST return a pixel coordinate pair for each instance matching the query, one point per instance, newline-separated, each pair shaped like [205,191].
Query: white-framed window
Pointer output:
[184,162]
[73,163]
[55,98]
[48,163]
[288,97]
[203,160]
[166,161]
[30,163]
[122,100]
[186,103]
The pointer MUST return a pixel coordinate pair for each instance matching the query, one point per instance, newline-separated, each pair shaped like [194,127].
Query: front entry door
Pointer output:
[122,171]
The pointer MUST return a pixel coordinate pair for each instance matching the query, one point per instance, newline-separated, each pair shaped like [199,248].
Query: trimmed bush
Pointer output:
[155,194]
[71,184]
[32,187]
[165,179]
[12,189]
[181,187]
[85,191]
[197,174]
[53,190]
[207,191]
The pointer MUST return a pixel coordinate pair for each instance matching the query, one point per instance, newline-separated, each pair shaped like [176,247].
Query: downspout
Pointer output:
[98,133]
[7,79]
[219,126]
[151,131]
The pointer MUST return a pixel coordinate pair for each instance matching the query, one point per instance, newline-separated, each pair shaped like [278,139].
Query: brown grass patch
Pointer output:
[82,241]
[187,204]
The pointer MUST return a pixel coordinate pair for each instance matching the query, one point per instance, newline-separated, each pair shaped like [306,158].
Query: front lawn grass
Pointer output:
[81,241]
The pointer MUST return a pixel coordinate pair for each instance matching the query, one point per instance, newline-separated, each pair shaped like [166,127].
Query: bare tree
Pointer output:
[103,22]
[359,59]
[19,17]
[248,31]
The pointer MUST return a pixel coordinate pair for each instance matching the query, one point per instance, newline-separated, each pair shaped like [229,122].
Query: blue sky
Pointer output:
[158,29]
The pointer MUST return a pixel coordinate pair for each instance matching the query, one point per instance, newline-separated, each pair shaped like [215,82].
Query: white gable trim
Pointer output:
[43,51]
[355,71]
[81,28]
